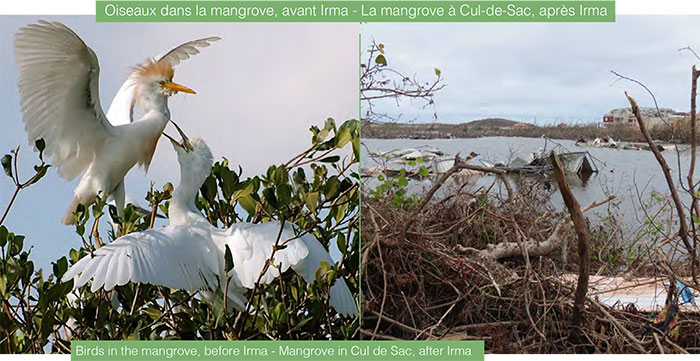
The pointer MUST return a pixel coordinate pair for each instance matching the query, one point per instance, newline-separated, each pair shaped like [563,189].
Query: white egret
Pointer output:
[189,253]
[121,110]
[59,96]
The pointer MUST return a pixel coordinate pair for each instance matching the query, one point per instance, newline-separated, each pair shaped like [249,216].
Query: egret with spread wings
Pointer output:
[59,97]
[189,253]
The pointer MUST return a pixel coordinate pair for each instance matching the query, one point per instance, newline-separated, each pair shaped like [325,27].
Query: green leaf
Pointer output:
[3,284]
[356,148]
[332,187]
[248,203]
[60,267]
[342,243]
[299,176]
[229,180]
[284,193]
[16,245]
[437,72]
[80,229]
[311,200]
[47,321]
[228,257]
[343,137]
[320,136]
[423,171]
[331,159]
[280,176]
[241,190]
[330,124]
[40,144]
[153,312]
[7,164]
[3,236]
[301,324]
[74,255]
[403,181]
[380,60]
[322,271]
[114,215]
[168,189]
[269,195]
[209,189]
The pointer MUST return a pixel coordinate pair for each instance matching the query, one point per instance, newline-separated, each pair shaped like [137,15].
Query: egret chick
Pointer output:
[189,253]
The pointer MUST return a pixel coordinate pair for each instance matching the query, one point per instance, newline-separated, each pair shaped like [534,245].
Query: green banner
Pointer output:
[278,350]
[357,11]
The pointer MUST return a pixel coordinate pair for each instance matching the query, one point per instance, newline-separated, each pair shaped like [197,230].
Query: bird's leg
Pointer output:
[95,233]
[119,197]
[228,279]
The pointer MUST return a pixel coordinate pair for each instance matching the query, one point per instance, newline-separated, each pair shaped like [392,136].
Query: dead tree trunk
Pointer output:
[695,207]
[683,231]
[584,239]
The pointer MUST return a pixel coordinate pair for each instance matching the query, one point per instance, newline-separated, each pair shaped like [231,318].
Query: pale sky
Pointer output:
[259,89]
[553,72]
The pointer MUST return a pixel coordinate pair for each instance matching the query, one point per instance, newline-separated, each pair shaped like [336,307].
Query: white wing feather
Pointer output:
[121,111]
[191,258]
[184,51]
[59,95]
[341,298]
[251,246]
[175,257]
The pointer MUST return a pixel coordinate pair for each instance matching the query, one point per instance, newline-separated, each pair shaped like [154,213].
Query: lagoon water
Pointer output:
[629,174]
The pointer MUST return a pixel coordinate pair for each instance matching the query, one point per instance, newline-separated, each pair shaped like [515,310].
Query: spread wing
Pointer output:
[184,51]
[340,296]
[175,257]
[121,111]
[58,86]
[251,246]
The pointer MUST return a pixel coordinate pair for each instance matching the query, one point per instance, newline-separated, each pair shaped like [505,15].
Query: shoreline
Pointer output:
[624,133]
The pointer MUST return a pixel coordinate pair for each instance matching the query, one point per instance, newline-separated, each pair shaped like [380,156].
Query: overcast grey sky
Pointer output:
[259,90]
[543,72]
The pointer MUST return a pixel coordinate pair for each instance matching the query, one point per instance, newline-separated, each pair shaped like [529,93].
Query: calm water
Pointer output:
[625,173]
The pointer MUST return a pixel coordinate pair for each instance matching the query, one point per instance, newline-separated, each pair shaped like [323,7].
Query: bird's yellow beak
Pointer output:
[186,145]
[173,141]
[177,87]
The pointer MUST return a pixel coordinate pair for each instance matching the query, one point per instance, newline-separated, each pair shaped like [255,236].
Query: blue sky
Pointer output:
[541,72]
[259,90]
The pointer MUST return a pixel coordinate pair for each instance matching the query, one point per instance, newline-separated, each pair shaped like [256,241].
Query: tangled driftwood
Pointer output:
[465,268]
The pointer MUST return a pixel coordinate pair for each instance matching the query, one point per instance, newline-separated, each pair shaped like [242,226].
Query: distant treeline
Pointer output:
[505,128]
